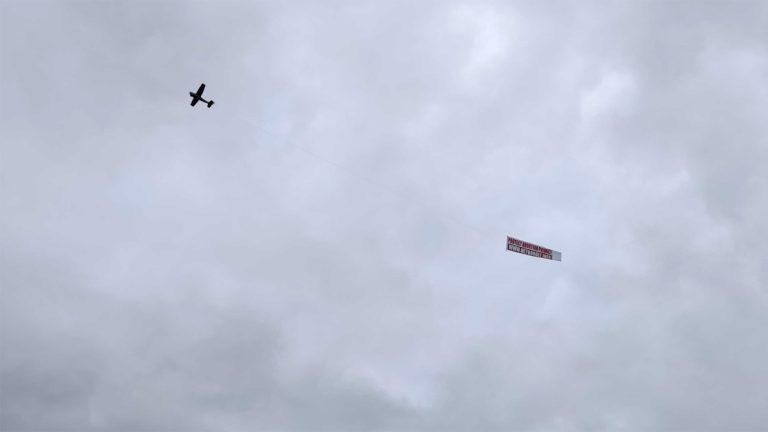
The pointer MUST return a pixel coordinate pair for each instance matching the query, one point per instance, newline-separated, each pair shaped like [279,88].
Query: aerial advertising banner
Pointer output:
[531,249]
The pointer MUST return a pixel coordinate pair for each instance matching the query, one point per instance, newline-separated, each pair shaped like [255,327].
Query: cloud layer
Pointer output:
[324,248]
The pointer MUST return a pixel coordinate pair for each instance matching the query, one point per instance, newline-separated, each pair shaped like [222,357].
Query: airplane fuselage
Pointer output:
[194,96]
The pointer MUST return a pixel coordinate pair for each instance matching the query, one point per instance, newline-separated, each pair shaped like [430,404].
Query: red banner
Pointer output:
[530,249]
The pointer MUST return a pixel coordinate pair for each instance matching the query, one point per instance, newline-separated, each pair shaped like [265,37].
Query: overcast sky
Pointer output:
[324,248]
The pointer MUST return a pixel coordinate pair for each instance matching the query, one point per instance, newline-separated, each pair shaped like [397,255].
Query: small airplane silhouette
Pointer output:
[199,96]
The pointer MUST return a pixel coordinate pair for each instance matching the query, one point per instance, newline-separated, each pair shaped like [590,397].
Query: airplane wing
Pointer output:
[194,101]
[200,90]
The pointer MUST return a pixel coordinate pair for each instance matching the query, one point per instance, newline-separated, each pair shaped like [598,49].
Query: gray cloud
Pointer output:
[323,249]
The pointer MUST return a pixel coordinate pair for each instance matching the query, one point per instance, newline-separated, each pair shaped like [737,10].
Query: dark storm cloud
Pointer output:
[323,249]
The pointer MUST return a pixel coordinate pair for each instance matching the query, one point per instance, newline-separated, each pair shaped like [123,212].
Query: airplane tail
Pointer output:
[210,103]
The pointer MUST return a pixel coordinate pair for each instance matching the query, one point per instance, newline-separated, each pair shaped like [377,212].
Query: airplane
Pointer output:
[199,96]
